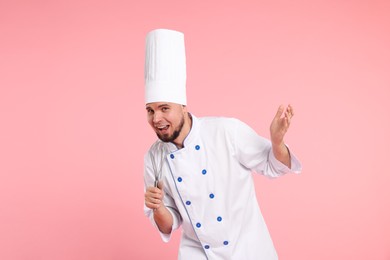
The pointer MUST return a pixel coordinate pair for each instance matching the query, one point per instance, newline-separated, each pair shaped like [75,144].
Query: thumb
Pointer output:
[279,112]
[160,185]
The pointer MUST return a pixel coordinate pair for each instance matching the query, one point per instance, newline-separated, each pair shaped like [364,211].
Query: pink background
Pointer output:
[73,127]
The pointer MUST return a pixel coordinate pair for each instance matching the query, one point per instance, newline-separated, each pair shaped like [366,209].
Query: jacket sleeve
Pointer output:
[169,203]
[255,152]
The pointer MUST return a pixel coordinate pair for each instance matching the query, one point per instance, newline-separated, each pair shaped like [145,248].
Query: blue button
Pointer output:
[197,147]
[198,225]
[225,243]
[179,179]
[219,219]
[188,202]
[211,196]
[172,156]
[207,246]
[204,171]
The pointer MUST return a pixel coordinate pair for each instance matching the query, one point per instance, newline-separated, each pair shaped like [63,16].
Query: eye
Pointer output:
[164,109]
[149,111]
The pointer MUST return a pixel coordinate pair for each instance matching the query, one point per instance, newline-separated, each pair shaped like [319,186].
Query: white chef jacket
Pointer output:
[210,192]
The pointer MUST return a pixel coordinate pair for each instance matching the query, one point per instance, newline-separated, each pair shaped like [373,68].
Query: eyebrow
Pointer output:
[160,106]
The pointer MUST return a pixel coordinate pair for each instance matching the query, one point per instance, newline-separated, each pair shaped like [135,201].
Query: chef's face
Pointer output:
[166,119]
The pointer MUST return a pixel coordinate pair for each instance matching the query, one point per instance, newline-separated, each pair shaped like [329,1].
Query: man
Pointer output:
[198,174]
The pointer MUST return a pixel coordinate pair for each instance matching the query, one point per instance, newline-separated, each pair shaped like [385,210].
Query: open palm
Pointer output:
[280,124]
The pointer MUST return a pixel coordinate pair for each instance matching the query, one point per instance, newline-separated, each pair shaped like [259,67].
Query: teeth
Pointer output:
[162,127]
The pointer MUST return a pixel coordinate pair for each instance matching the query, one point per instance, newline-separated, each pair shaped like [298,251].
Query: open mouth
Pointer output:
[162,128]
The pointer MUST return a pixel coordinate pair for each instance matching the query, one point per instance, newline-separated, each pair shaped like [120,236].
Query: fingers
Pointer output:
[288,114]
[285,120]
[279,112]
[280,124]
[153,197]
[289,111]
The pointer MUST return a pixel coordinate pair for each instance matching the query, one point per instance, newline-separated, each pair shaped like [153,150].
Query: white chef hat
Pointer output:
[165,67]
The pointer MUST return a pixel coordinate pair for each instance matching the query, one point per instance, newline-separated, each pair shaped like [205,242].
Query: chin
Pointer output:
[165,138]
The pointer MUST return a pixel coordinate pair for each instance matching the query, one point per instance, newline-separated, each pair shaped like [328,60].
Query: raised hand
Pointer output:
[278,129]
[280,124]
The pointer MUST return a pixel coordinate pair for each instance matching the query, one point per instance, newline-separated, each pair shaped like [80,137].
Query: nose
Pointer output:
[156,117]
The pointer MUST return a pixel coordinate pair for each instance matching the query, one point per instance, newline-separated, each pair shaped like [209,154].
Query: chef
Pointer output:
[198,174]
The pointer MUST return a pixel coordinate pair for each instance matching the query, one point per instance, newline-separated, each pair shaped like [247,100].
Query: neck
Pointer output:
[179,141]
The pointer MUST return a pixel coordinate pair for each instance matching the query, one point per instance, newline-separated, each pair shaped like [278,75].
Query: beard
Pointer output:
[174,135]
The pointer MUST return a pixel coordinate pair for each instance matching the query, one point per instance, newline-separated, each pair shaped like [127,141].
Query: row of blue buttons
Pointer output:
[211,197]
[224,242]
[197,147]
[180,179]
[198,225]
